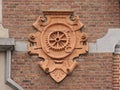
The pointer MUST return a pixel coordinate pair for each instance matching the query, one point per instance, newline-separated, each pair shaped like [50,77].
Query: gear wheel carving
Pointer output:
[58,40]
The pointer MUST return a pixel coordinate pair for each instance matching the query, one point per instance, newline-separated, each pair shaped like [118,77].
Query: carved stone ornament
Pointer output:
[58,40]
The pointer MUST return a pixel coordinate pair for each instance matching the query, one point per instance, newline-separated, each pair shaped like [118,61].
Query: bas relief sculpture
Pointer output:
[58,40]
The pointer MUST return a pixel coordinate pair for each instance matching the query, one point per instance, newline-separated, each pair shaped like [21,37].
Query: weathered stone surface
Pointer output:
[3,32]
[21,46]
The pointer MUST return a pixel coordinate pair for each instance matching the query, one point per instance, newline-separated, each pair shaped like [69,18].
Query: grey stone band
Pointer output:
[21,46]
[105,44]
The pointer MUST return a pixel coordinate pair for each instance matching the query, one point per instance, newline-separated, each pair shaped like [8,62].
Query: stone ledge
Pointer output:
[6,43]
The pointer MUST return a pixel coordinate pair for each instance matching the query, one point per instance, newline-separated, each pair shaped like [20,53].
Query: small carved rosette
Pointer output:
[58,40]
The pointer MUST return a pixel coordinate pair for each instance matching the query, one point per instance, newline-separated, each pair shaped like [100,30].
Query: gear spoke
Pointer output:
[52,39]
[62,36]
[58,34]
[58,40]
[57,44]
[53,36]
[63,39]
[53,43]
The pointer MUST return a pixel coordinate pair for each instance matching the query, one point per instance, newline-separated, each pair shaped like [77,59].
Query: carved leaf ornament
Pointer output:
[58,40]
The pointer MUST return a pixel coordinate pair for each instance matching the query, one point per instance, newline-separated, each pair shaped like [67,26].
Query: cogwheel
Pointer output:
[58,40]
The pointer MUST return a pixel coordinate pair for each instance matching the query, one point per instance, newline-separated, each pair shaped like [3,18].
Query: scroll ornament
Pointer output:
[58,40]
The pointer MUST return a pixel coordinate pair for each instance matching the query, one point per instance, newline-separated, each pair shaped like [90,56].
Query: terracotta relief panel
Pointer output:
[58,40]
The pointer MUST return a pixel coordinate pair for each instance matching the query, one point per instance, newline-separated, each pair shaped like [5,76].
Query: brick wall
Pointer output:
[116,72]
[97,15]
[94,71]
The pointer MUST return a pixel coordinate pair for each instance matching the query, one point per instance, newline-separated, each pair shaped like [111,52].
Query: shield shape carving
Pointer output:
[58,40]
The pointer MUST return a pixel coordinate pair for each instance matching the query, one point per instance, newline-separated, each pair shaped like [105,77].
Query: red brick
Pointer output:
[94,71]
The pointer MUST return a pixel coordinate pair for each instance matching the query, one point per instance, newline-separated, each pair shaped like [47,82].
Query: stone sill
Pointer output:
[7,44]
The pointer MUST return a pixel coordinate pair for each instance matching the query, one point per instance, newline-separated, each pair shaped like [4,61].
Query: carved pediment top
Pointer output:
[57,12]
[65,17]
